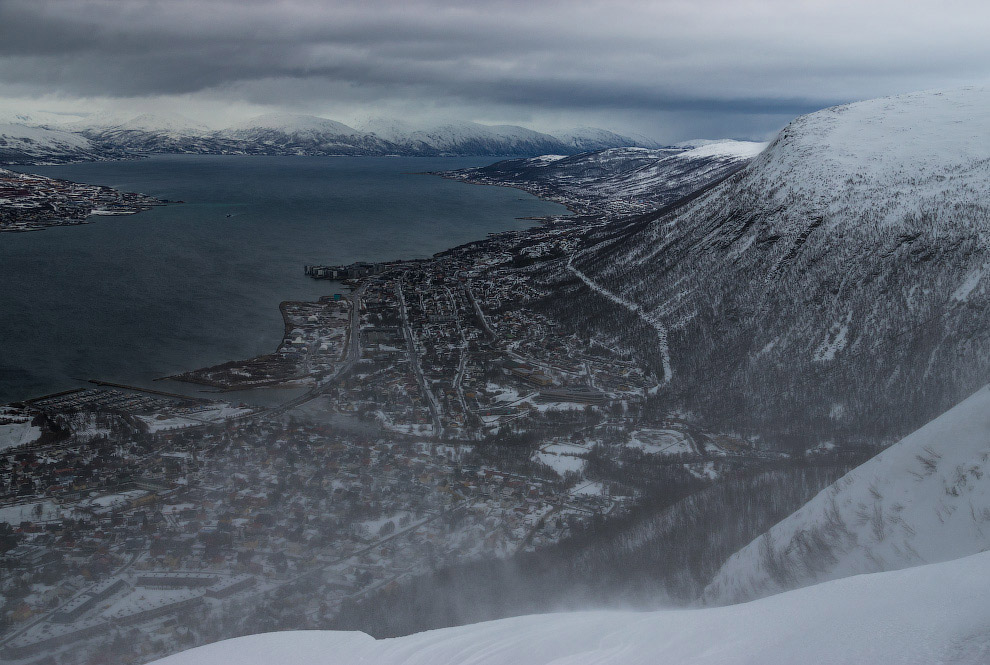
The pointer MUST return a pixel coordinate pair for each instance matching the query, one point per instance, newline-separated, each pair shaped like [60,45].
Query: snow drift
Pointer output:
[929,614]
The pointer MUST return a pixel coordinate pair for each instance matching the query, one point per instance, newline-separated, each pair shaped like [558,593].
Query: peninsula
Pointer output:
[32,202]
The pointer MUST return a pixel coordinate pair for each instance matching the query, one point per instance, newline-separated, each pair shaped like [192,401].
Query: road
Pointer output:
[414,361]
[481,315]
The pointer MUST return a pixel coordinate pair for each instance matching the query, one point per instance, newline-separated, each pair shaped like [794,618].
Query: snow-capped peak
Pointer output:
[917,143]
[171,123]
[21,144]
[389,129]
[291,123]
[593,138]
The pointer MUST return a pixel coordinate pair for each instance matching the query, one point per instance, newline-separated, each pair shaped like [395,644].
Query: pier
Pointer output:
[352,271]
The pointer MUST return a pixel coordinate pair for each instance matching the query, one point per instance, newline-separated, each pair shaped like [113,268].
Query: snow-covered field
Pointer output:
[920,616]
[660,442]
[562,457]
[17,434]
[29,512]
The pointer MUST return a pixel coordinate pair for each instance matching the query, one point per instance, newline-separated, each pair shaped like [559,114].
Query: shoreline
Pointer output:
[448,175]
[35,202]
[293,382]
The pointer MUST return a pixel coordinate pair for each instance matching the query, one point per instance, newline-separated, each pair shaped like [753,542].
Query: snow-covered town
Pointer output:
[114,529]
[442,421]
[32,202]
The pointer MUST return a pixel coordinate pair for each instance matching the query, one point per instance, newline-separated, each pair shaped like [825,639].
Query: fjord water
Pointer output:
[129,299]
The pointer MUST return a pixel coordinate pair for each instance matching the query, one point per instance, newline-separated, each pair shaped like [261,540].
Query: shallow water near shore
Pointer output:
[130,299]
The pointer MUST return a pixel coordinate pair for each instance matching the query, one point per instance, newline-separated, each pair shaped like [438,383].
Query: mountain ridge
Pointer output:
[617,182]
[812,294]
[293,134]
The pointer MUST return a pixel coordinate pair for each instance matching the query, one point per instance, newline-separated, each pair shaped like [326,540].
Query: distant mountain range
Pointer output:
[23,144]
[29,139]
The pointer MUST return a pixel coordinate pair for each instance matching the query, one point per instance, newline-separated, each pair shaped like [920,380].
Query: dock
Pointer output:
[352,271]
[150,391]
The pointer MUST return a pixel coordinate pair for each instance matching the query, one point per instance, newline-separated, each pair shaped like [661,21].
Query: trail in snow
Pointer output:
[652,320]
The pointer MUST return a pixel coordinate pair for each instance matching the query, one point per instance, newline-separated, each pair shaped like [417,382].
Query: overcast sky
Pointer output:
[670,69]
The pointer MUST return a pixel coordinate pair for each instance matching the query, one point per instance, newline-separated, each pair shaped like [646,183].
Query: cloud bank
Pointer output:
[670,69]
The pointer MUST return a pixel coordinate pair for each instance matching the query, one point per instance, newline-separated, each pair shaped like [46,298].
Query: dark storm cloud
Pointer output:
[731,57]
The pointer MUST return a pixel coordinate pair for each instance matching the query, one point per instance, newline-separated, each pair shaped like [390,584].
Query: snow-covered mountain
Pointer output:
[618,181]
[169,124]
[281,134]
[929,614]
[148,132]
[834,288]
[471,138]
[923,500]
[588,139]
[288,134]
[23,144]
[288,123]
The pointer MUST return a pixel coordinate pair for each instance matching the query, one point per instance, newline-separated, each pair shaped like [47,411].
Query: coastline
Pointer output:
[193,376]
[31,202]
[108,173]
[572,207]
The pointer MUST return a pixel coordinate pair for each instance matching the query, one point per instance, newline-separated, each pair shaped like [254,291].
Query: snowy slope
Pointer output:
[836,287]
[919,147]
[587,139]
[926,499]
[619,181]
[726,148]
[21,144]
[293,124]
[924,615]
[148,132]
[684,172]
[471,138]
[388,129]
[288,134]
[173,124]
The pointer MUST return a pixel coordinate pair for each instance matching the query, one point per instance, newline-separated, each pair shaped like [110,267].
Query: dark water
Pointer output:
[129,299]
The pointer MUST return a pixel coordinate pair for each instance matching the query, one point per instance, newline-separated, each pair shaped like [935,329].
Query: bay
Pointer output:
[130,299]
